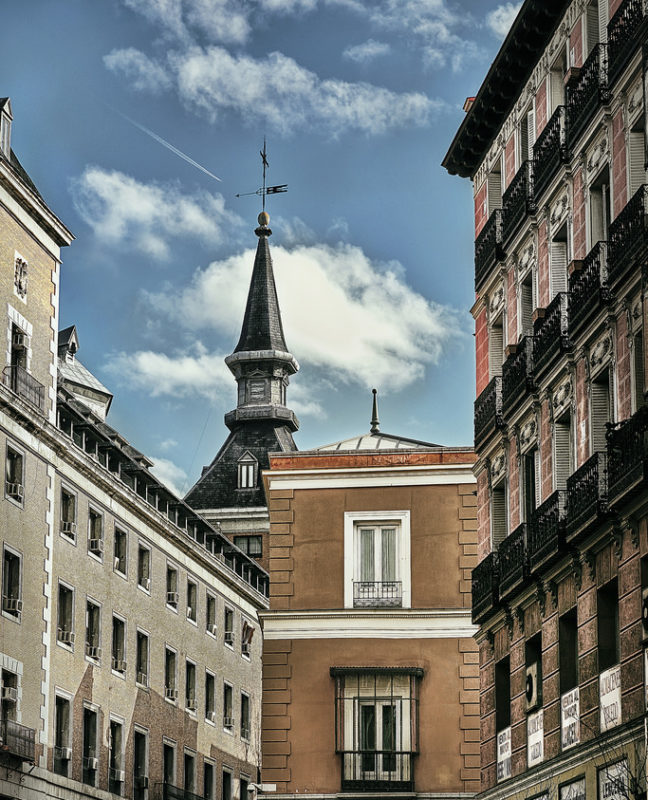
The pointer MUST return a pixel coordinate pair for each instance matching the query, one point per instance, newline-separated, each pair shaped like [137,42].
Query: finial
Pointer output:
[263,219]
[375,422]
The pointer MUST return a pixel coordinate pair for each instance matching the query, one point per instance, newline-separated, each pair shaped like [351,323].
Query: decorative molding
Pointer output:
[551,589]
[577,571]
[588,559]
[518,613]
[598,154]
[528,434]
[496,301]
[559,210]
[497,467]
[600,353]
[562,397]
[541,597]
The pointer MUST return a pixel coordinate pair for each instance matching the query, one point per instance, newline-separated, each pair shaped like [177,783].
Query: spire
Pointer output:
[375,422]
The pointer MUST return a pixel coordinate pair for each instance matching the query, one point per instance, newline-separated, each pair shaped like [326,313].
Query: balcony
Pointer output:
[517,375]
[484,588]
[513,564]
[518,201]
[165,791]
[24,385]
[588,288]
[628,237]
[551,334]
[488,412]
[17,740]
[627,455]
[546,533]
[377,594]
[626,31]
[376,771]
[488,248]
[587,90]
[586,496]
[550,150]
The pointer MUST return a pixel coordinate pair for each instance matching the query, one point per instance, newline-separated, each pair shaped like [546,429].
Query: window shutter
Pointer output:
[562,466]
[599,413]
[530,126]
[602,20]
[558,255]
[557,88]
[498,516]
[388,554]
[526,309]
[367,554]
[495,349]
[638,357]
[494,191]
[636,155]
[592,27]
[537,472]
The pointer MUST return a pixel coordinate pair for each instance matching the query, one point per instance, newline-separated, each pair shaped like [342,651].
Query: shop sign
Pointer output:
[573,791]
[610,698]
[613,781]
[504,754]
[570,718]
[535,738]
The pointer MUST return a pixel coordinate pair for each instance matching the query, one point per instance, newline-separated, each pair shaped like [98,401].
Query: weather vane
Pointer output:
[265,190]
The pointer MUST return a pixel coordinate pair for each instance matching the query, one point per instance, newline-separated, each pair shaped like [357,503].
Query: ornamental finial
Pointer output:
[375,422]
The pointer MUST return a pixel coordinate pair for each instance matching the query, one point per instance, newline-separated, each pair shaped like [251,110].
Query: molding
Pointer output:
[367,477]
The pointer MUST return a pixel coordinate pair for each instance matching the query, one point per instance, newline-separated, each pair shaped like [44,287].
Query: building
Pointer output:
[369,667]
[555,145]
[230,489]
[130,649]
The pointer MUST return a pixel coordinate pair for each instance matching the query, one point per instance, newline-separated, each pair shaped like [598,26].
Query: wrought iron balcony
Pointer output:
[588,288]
[627,455]
[626,31]
[377,594]
[24,385]
[488,247]
[513,563]
[377,770]
[550,150]
[485,579]
[546,532]
[628,237]
[517,375]
[488,411]
[586,496]
[17,740]
[518,201]
[168,792]
[551,333]
[587,91]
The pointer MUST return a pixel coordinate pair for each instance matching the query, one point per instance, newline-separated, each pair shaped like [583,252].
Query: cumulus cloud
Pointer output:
[501,18]
[171,475]
[224,21]
[367,51]
[144,74]
[145,216]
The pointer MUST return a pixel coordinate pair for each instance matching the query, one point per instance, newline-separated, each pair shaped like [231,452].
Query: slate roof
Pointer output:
[75,372]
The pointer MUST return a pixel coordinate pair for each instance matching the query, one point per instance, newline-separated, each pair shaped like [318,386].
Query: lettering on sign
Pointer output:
[504,754]
[570,718]
[535,738]
[573,791]
[610,698]
[613,781]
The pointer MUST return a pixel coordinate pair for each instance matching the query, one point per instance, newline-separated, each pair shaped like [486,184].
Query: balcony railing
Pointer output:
[165,791]
[518,201]
[586,495]
[377,770]
[551,333]
[587,91]
[488,247]
[17,740]
[546,532]
[513,565]
[377,594]
[625,33]
[24,385]
[517,375]
[588,288]
[488,411]
[485,578]
[628,237]
[627,455]
[550,150]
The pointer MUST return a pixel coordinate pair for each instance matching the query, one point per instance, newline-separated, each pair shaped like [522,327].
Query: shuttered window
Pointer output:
[558,266]
[592,27]
[526,307]
[494,188]
[495,348]
[530,482]
[638,371]
[600,209]
[602,20]
[527,136]
[636,161]
[498,515]
[563,464]
[600,410]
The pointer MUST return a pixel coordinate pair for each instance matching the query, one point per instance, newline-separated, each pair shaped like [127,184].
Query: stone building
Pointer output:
[555,145]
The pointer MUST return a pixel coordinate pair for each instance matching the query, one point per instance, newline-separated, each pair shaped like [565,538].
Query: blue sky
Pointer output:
[372,244]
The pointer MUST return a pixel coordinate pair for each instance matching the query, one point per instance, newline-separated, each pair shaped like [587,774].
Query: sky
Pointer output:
[372,244]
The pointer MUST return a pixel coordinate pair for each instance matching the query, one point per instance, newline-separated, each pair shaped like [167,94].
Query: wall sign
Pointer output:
[573,791]
[570,718]
[504,754]
[535,738]
[610,698]
[613,781]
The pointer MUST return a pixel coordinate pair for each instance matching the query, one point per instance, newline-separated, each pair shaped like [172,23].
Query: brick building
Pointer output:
[555,145]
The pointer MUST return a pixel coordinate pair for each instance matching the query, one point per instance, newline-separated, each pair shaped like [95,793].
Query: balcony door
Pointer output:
[376,580]
[378,733]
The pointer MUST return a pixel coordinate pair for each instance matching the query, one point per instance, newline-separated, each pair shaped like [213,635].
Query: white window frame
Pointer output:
[121,619]
[17,616]
[72,536]
[141,545]
[401,519]
[148,658]
[117,528]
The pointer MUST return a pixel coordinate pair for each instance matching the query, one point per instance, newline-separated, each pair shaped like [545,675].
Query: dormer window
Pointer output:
[6,118]
[247,471]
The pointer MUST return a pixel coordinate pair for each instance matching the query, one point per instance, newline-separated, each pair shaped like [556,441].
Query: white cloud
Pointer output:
[220,20]
[127,212]
[168,444]
[367,51]
[171,475]
[501,18]
[144,74]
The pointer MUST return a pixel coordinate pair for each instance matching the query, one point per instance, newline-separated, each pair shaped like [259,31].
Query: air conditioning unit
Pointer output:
[92,651]
[118,775]
[91,763]
[63,753]
[95,545]
[533,687]
[170,693]
[10,694]
[189,612]
[20,341]
[15,491]
[142,678]
[644,613]
[145,583]
[172,598]
[191,704]
[211,716]
[119,665]
[228,722]
[245,649]
[141,781]
[68,528]
[213,629]
[12,604]
[65,637]
[245,733]
[229,637]
[117,563]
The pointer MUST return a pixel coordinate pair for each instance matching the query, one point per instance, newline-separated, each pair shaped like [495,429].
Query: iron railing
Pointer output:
[586,495]
[627,454]
[587,91]
[488,411]
[628,236]
[551,333]
[24,385]
[517,375]
[588,288]
[377,770]
[17,740]
[546,532]
[624,33]
[377,594]
[485,578]
[488,247]
[550,150]
[518,201]
[513,565]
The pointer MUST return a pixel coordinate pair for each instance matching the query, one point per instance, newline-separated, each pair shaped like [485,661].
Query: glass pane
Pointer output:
[368,737]
[367,554]
[389,737]
[388,554]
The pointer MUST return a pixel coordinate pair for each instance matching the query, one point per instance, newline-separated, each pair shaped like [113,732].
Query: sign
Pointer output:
[573,791]
[504,754]
[613,781]
[570,718]
[610,698]
[535,738]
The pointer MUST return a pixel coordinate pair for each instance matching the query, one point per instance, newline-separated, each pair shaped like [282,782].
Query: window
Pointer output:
[65,620]
[599,208]
[118,654]
[190,687]
[596,20]
[170,678]
[189,772]
[11,583]
[530,483]
[116,775]
[637,370]
[601,409]
[526,135]
[527,303]
[68,514]
[140,764]
[558,260]
[247,632]
[251,545]
[5,132]
[247,471]
[210,697]
[636,160]
[93,633]
[144,567]
[494,189]
[502,694]
[557,80]
[229,627]
[19,385]
[228,713]
[14,475]
[568,651]
[496,341]
[90,753]
[563,450]
[608,625]
[120,551]
[243,788]
[245,716]
[192,600]
[168,762]
[377,726]
[208,782]
[9,702]
[227,785]
[142,665]
[533,682]
[172,595]
[62,736]
[95,533]
[498,514]
[210,614]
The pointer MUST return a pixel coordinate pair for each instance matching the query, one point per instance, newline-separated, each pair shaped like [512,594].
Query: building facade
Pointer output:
[555,144]
[370,671]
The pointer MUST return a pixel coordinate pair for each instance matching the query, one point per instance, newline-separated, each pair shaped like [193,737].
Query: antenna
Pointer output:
[264,191]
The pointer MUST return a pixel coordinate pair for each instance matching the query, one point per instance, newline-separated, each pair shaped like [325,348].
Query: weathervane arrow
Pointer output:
[264,190]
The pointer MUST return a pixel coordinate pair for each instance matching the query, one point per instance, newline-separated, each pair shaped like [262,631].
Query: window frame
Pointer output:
[70,536]
[122,531]
[69,588]
[119,672]
[16,615]
[95,513]
[18,453]
[142,546]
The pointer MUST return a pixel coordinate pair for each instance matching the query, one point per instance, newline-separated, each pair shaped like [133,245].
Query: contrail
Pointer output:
[168,145]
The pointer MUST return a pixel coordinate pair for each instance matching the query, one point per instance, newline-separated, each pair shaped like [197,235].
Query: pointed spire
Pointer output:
[375,422]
